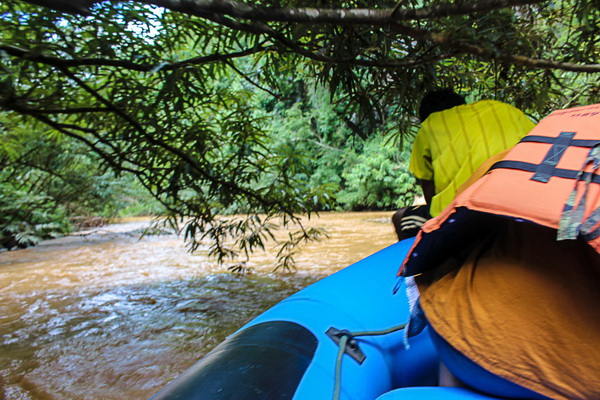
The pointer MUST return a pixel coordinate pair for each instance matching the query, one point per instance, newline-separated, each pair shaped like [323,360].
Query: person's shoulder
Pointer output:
[440,120]
[493,104]
[501,111]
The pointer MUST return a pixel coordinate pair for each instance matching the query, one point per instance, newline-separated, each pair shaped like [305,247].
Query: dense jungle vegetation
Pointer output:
[266,111]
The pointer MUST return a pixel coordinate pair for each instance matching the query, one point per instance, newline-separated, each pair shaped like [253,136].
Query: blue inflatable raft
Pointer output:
[292,351]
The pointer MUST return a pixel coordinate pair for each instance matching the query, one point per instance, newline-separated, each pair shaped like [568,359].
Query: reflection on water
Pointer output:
[109,316]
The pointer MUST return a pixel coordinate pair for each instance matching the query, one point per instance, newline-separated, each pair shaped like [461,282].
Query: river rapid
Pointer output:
[107,315]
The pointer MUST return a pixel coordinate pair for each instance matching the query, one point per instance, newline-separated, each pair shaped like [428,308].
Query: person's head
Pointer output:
[439,100]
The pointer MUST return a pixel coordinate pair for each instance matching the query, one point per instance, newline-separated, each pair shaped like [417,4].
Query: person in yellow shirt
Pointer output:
[454,140]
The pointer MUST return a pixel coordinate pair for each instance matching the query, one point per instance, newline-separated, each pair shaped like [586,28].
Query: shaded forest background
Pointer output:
[232,119]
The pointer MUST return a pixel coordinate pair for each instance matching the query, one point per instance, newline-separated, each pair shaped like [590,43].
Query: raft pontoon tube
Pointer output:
[291,350]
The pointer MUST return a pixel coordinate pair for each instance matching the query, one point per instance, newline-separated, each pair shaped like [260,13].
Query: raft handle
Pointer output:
[351,347]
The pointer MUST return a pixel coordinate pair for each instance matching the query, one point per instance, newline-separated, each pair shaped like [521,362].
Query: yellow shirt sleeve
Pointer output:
[420,158]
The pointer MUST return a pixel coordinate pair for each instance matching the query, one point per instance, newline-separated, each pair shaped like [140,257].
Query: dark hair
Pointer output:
[439,100]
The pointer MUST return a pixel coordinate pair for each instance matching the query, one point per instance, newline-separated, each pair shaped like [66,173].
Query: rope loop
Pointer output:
[345,337]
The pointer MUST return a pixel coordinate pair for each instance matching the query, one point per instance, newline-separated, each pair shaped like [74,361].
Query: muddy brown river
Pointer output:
[107,315]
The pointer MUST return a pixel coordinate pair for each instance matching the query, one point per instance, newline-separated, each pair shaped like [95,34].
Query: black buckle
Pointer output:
[352,348]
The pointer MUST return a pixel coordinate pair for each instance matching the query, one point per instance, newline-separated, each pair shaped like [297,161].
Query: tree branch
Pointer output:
[469,48]
[107,103]
[104,62]
[177,151]
[79,110]
[240,10]
[218,11]
[67,129]
[264,29]
[63,128]
[250,81]
[59,127]
[417,33]
[260,28]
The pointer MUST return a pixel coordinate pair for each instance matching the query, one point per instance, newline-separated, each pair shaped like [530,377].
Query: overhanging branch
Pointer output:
[340,16]
[261,28]
[79,110]
[252,18]
[108,158]
[458,47]
[480,51]
[181,154]
[124,64]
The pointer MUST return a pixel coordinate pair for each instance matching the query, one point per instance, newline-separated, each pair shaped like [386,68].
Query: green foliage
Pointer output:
[361,175]
[212,113]
[129,199]
[378,179]
[48,180]
[26,219]
[473,55]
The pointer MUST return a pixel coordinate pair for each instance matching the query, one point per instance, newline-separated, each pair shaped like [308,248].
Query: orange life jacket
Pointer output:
[551,178]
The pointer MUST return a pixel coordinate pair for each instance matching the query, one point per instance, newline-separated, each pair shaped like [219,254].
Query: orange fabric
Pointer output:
[512,193]
[524,307]
[482,170]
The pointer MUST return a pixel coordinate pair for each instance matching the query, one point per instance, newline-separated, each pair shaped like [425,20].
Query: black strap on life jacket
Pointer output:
[572,221]
[547,168]
[560,144]
[530,167]
[552,140]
